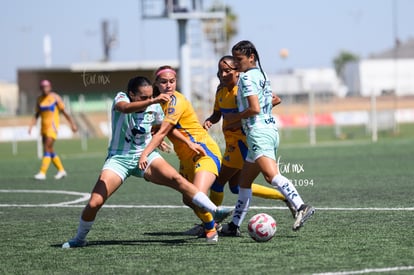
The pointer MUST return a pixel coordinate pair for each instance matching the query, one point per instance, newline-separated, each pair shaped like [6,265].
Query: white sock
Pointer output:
[242,206]
[83,229]
[288,190]
[201,200]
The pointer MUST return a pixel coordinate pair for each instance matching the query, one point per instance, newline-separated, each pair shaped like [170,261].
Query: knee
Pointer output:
[234,189]
[96,202]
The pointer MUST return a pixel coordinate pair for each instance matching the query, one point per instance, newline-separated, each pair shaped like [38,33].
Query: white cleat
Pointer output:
[40,176]
[60,175]
[73,243]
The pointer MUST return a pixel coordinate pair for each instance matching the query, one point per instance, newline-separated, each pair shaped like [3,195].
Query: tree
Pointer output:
[342,59]
[218,32]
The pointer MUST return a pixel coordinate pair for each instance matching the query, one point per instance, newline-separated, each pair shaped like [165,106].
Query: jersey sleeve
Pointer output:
[175,110]
[249,86]
[59,102]
[121,97]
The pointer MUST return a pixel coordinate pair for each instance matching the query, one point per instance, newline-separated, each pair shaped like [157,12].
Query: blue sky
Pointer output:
[313,31]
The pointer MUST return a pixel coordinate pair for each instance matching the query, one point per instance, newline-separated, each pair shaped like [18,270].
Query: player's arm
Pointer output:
[70,120]
[157,139]
[252,110]
[139,106]
[213,119]
[276,100]
[33,121]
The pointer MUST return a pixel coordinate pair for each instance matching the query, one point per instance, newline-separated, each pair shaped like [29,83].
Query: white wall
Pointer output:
[379,75]
[318,80]
[9,96]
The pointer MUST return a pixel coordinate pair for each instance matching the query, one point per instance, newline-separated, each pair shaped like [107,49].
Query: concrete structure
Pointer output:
[388,72]
[93,80]
[8,98]
[321,81]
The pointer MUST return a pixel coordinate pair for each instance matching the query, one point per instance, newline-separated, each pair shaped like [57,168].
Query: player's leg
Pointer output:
[161,172]
[107,183]
[217,189]
[249,172]
[56,159]
[269,168]
[48,153]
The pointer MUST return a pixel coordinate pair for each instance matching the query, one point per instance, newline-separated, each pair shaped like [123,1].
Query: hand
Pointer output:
[165,147]
[197,148]
[162,98]
[74,128]
[276,100]
[143,162]
[207,124]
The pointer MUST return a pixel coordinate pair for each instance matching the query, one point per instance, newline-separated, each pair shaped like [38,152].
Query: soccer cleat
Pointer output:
[73,243]
[40,176]
[60,175]
[230,230]
[222,213]
[291,208]
[197,230]
[303,214]
[212,237]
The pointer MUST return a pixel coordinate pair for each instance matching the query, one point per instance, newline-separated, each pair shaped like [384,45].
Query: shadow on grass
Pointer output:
[140,242]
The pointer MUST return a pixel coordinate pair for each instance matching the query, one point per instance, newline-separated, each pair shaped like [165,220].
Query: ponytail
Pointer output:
[247,48]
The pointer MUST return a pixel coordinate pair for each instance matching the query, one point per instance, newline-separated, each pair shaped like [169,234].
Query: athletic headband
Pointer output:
[45,83]
[167,70]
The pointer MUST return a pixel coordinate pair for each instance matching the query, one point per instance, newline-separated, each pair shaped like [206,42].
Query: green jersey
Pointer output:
[251,83]
[132,132]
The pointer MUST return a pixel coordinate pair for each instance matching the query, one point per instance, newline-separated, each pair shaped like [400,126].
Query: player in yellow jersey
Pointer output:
[48,107]
[200,169]
[236,145]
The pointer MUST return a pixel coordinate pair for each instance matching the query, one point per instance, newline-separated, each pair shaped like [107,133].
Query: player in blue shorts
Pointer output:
[133,115]
[254,101]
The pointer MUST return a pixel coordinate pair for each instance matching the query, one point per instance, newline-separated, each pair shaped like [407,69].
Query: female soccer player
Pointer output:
[133,115]
[201,170]
[254,100]
[48,106]
[236,146]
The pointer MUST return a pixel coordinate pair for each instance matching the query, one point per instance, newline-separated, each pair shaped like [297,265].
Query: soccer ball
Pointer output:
[261,227]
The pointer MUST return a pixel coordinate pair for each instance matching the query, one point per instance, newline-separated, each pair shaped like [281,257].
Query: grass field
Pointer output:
[363,193]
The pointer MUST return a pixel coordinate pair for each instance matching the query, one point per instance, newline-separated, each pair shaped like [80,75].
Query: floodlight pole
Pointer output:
[184,56]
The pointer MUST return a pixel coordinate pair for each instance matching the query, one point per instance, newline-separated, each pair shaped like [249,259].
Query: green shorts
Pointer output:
[127,165]
[262,142]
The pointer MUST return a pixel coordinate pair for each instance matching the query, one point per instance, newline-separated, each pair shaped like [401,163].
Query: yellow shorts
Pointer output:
[210,163]
[51,133]
[236,152]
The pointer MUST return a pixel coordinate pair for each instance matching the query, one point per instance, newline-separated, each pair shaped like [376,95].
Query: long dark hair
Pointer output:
[247,48]
[135,83]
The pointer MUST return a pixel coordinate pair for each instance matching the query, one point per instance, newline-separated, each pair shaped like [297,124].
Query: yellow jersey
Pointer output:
[226,102]
[179,112]
[48,108]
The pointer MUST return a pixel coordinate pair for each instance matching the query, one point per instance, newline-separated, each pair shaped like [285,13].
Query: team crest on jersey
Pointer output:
[173,101]
[149,116]
[171,110]
[231,148]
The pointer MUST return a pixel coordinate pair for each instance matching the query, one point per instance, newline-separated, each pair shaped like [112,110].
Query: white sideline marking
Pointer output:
[369,270]
[85,197]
